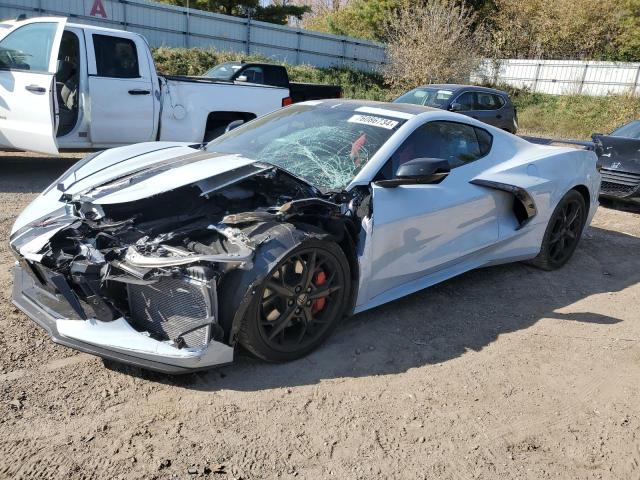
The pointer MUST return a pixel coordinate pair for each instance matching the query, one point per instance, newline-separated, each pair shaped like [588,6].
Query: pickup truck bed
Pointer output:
[274,75]
[301,92]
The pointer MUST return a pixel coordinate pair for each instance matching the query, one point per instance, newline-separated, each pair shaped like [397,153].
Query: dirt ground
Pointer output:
[503,373]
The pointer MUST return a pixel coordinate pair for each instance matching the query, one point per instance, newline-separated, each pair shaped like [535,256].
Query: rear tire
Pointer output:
[563,232]
[299,303]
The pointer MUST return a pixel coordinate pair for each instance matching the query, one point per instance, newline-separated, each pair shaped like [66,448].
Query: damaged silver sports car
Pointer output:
[170,255]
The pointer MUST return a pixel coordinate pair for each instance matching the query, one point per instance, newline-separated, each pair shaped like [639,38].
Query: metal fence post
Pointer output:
[584,76]
[187,37]
[124,14]
[344,53]
[635,83]
[536,78]
[249,35]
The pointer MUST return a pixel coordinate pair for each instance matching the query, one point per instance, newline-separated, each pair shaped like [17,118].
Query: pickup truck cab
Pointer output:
[275,75]
[67,86]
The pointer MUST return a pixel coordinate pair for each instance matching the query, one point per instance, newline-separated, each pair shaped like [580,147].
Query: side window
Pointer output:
[276,76]
[484,141]
[116,57]
[487,101]
[28,47]
[467,101]
[458,143]
[254,75]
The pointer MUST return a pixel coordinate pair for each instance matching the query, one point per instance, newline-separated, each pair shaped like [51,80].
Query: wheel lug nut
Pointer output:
[298,289]
[308,303]
[290,302]
[308,289]
[298,310]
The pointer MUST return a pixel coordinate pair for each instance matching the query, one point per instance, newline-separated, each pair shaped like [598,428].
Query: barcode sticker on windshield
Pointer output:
[375,121]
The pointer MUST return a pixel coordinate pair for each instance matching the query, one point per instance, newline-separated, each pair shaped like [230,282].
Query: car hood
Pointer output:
[618,153]
[131,173]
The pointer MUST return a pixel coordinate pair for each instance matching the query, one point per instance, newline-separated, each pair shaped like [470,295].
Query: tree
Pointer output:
[557,29]
[275,13]
[359,18]
[431,43]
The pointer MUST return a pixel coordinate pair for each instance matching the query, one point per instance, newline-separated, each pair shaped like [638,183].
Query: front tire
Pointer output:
[563,232]
[299,303]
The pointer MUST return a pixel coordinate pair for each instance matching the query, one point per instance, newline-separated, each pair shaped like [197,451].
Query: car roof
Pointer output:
[455,87]
[408,108]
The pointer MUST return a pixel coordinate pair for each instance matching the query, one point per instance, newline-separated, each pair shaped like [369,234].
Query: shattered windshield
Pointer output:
[325,146]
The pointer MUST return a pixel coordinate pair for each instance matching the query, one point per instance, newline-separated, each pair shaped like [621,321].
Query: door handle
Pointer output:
[35,89]
[137,91]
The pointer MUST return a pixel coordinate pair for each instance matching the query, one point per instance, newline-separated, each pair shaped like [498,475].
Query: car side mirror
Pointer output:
[455,107]
[419,171]
[232,125]
[242,78]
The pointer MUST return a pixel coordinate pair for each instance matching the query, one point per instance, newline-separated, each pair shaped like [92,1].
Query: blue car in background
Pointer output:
[485,104]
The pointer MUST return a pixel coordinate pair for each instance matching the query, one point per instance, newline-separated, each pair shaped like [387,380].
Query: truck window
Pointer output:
[28,47]
[116,57]
[254,74]
[276,76]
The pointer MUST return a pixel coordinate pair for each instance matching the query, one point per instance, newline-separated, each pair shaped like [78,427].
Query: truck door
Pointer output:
[120,89]
[28,62]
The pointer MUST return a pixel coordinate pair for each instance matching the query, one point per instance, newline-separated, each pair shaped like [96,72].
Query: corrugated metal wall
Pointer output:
[178,27]
[166,25]
[563,77]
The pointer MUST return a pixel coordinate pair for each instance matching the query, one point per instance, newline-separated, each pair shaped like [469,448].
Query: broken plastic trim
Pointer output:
[183,257]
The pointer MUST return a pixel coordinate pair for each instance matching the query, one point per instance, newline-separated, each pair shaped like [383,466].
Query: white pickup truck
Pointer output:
[68,86]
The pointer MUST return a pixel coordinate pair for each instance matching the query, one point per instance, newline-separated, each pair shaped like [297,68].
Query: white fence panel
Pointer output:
[563,77]
[167,25]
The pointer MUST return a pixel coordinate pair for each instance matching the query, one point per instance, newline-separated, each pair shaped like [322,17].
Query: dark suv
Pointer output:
[485,104]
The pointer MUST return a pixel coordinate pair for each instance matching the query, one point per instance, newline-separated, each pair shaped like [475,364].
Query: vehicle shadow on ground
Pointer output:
[633,207]
[31,174]
[443,322]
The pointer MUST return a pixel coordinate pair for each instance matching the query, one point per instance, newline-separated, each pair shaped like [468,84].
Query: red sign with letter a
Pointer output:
[98,10]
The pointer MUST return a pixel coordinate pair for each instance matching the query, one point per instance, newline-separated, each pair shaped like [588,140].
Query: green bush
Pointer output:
[573,116]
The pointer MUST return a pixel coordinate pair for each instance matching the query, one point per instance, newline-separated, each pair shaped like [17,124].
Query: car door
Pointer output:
[120,89]
[28,62]
[420,229]
[489,109]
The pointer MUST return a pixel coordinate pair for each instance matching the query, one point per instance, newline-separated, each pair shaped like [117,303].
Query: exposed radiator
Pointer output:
[172,306]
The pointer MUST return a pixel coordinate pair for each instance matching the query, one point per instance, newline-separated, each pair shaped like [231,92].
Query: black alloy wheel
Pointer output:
[563,232]
[299,303]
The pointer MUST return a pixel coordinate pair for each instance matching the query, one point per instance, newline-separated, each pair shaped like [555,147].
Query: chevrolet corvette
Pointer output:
[170,255]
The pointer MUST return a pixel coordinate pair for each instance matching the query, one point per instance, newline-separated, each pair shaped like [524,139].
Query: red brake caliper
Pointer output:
[319,279]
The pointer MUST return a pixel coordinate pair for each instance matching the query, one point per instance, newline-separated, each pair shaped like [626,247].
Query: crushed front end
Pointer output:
[137,281]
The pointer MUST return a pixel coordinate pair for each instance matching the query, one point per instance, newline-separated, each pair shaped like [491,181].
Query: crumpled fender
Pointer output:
[274,240]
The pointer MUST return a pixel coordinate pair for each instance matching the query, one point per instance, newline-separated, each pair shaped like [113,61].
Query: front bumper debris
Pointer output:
[115,340]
